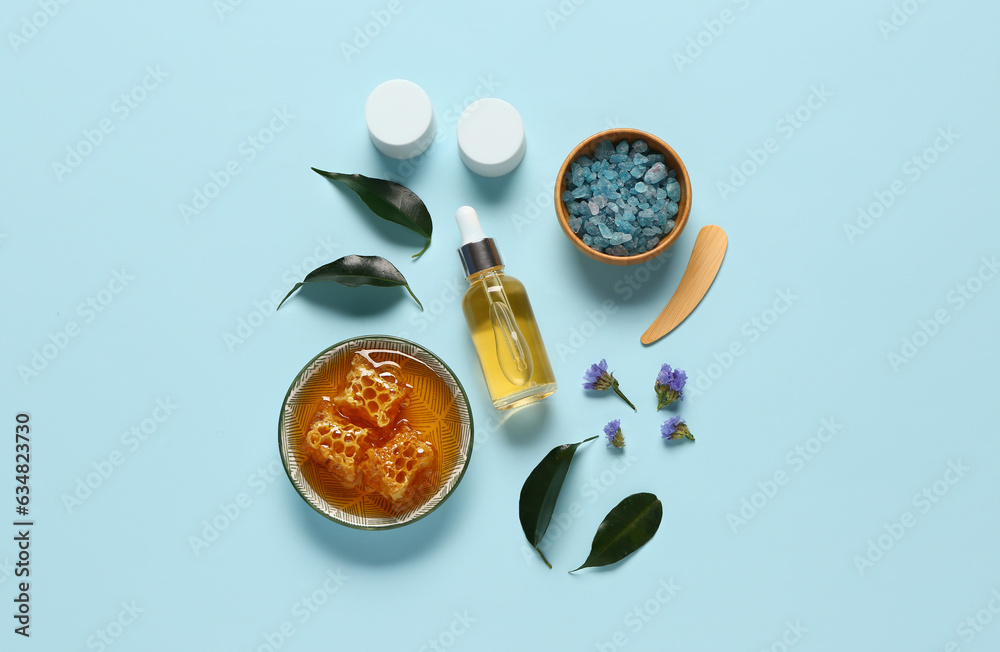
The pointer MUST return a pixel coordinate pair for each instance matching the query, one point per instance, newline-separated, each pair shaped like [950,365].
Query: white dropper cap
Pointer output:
[468,225]
[477,251]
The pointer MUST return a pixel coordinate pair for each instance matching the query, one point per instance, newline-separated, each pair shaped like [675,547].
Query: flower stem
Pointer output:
[619,392]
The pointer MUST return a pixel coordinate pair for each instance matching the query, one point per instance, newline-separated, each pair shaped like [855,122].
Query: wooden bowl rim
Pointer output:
[654,142]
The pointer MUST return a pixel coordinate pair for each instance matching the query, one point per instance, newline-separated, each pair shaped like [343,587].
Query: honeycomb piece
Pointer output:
[336,443]
[374,394]
[401,469]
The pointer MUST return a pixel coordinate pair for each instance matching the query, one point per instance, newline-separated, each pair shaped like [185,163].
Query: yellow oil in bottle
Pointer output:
[507,340]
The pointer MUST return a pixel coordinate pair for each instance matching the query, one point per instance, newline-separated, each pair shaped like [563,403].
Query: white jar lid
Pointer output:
[400,119]
[491,137]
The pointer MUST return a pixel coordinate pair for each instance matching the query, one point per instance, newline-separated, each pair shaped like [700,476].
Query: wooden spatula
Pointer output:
[706,258]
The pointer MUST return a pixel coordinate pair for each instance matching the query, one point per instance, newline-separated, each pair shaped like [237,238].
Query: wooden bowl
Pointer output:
[671,160]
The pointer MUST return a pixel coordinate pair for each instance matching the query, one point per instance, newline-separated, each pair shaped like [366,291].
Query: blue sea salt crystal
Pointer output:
[648,231]
[575,224]
[645,213]
[591,229]
[672,209]
[619,238]
[638,171]
[610,175]
[581,192]
[624,226]
[600,242]
[673,189]
[605,231]
[655,158]
[594,208]
[585,161]
[669,226]
[567,196]
[640,147]
[617,158]
[673,173]
[604,149]
[622,147]
[614,208]
[661,194]
[652,242]
[588,240]
[623,176]
[656,174]
[601,201]
[640,188]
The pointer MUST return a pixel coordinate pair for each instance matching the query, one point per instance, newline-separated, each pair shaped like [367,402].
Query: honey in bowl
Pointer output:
[377,433]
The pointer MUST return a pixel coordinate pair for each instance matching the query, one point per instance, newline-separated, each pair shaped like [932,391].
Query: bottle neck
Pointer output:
[480,275]
[479,256]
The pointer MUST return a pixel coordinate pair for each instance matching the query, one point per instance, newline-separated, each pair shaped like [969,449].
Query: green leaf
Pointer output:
[540,491]
[625,529]
[353,271]
[390,201]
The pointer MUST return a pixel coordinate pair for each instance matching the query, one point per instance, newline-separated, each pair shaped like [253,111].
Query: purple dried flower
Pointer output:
[598,378]
[614,434]
[675,428]
[669,386]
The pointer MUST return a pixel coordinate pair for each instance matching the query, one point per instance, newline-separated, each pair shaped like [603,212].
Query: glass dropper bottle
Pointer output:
[501,321]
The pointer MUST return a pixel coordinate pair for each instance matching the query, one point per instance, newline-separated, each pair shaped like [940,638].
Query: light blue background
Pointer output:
[607,64]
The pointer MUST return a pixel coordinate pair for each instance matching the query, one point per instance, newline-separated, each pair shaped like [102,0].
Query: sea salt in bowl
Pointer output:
[671,161]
